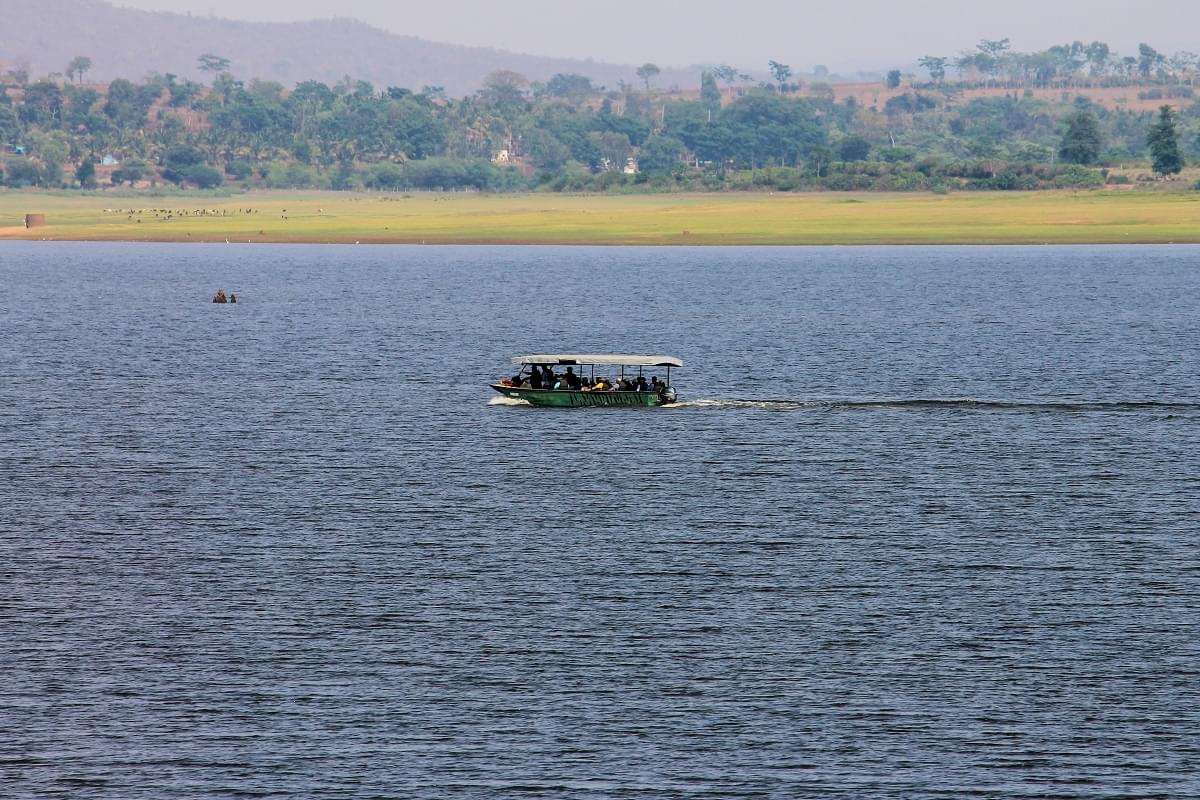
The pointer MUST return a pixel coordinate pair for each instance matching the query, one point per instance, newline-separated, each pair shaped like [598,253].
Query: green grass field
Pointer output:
[961,218]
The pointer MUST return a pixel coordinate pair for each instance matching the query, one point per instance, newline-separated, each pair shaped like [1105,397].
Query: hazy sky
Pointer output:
[839,33]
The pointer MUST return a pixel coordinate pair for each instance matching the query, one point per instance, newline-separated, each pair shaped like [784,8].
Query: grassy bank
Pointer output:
[976,218]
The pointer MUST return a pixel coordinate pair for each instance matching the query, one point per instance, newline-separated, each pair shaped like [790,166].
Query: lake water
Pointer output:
[927,525]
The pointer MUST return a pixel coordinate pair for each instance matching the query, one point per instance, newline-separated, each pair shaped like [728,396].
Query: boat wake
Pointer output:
[945,405]
[507,401]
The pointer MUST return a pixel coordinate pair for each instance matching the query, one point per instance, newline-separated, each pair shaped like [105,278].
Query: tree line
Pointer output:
[1076,65]
[564,134]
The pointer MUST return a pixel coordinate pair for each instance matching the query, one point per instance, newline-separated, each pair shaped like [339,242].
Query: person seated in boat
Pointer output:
[220,297]
[572,380]
[640,384]
[535,378]
[656,385]
[600,385]
[625,385]
[548,377]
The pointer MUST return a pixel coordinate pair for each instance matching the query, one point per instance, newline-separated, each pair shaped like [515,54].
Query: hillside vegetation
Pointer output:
[1019,128]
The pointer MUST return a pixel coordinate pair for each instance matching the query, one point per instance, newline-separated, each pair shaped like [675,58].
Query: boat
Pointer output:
[601,380]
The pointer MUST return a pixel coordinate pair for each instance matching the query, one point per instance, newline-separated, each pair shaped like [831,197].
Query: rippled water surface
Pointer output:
[926,524]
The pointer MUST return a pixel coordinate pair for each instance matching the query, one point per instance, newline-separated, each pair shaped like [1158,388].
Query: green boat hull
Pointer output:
[566,398]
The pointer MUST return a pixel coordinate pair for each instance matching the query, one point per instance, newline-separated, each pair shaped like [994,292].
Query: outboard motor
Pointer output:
[667,395]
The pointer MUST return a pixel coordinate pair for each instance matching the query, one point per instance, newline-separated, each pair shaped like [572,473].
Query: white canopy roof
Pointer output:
[618,360]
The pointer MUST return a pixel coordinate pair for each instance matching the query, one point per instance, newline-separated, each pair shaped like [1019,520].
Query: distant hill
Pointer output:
[126,43]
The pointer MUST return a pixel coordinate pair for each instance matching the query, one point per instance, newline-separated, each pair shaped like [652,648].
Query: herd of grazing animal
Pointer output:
[167,214]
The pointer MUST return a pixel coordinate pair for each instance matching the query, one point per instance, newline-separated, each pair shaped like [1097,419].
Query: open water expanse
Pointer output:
[928,525]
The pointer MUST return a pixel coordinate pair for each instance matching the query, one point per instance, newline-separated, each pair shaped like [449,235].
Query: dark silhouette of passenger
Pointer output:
[220,297]
[641,384]
[572,380]
[535,378]
[232,297]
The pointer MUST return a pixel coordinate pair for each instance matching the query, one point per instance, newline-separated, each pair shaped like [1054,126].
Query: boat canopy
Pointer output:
[616,360]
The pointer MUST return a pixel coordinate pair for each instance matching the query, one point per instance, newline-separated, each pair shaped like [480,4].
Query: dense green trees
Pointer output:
[1082,142]
[85,174]
[43,105]
[22,172]
[132,171]
[710,95]
[854,148]
[762,129]
[568,134]
[1163,141]
[570,86]
[662,155]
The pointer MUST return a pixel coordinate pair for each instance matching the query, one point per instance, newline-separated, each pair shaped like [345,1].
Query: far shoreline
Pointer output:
[1065,217]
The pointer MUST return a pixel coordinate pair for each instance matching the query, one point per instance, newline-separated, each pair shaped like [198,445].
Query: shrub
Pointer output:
[1077,177]
[289,176]
[903,182]
[23,172]
[843,182]
[132,171]
[203,175]
[384,177]
[609,180]
[894,155]
[445,173]
[1007,181]
[178,160]
[239,170]
[854,148]
[576,177]
[344,178]
[86,174]
[301,176]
